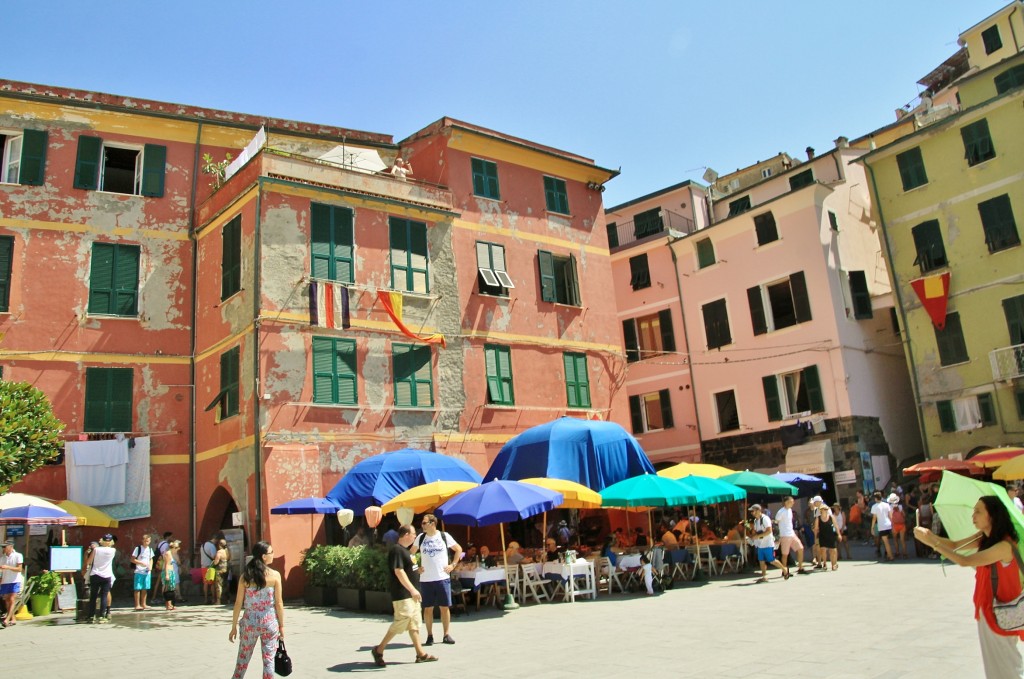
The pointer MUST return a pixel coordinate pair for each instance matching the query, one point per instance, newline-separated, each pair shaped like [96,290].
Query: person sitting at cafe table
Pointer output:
[707,533]
[669,539]
[471,555]
[641,538]
[486,560]
[512,554]
[735,533]
[551,550]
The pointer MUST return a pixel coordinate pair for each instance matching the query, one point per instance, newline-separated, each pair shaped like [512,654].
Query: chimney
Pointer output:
[810,153]
[842,143]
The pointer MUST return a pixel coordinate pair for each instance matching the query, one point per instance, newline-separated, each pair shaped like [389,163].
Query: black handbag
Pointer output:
[282,663]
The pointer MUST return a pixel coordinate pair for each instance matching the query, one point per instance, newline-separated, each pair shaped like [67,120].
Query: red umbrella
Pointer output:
[996,456]
[938,465]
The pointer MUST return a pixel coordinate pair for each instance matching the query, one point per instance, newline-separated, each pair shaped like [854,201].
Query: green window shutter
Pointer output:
[572,282]
[126,280]
[33,158]
[860,294]
[947,419]
[648,223]
[639,272]
[548,288]
[813,384]
[96,387]
[705,253]
[423,375]
[931,252]
[555,197]
[87,163]
[505,370]
[101,279]
[800,180]
[345,369]
[801,302]
[765,228]
[108,400]
[771,398]
[613,234]
[636,416]
[499,374]
[582,380]
[320,241]
[987,410]
[728,417]
[229,383]
[154,164]
[757,317]
[1009,79]
[231,258]
[344,244]
[485,178]
[493,375]
[739,206]
[631,341]
[1013,309]
[571,391]
[6,265]
[668,339]
[950,341]
[479,180]
[324,389]
[402,374]
[121,408]
[1019,397]
[716,324]
[332,242]
[978,145]
[998,223]
[912,172]
[991,39]
[666,409]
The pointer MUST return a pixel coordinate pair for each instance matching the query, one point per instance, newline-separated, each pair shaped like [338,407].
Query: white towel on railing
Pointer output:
[96,471]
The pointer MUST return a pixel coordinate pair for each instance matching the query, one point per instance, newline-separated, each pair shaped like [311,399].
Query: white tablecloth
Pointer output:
[628,561]
[481,576]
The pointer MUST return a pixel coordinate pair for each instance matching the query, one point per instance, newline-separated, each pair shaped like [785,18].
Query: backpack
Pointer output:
[444,536]
[137,553]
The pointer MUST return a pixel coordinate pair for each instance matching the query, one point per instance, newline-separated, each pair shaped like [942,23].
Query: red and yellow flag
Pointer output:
[933,291]
[392,302]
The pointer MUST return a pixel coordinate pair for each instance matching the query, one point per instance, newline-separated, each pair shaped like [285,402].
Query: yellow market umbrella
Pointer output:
[576,495]
[88,516]
[1009,471]
[994,457]
[427,496]
[683,469]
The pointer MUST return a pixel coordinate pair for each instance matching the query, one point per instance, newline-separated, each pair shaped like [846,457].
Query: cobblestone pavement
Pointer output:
[906,619]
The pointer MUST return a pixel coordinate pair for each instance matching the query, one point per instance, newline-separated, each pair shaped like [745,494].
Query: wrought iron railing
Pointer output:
[626,233]
[1008,362]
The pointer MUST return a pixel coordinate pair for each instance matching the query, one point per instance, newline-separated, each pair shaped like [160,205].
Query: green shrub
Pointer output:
[350,567]
[47,583]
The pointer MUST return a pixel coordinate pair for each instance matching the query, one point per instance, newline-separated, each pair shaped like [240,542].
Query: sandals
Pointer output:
[426,657]
[378,658]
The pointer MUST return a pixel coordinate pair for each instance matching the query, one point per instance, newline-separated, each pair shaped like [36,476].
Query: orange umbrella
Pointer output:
[941,464]
[996,456]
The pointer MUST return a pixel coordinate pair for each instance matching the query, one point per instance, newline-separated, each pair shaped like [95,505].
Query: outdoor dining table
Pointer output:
[568,573]
[483,581]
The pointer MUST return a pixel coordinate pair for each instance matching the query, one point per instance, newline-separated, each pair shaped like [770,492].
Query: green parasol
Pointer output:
[759,484]
[955,505]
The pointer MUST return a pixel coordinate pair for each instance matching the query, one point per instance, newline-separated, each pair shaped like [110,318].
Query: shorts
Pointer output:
[885,533]
[407,616]
[437,593]
[10,588]
[766,554]
[790,543]
[142,581]
[900,529]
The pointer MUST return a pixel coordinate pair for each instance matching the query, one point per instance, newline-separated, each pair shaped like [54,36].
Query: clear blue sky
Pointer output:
[661,89]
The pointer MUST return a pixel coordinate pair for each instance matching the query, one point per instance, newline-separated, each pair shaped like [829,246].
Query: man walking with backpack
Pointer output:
[142,559]
[435,580]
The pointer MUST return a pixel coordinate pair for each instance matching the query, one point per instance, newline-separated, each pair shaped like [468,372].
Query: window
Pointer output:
[228,396]
[1013,309]
[705,253]
[120,169]
[716,324]
[962,414]
[739,206]
[492,276]
[1010,79]
[231,258]
[987,409]
[334,371]
[332,244]
[498,363]
[648,336]
[793,393]
[950,341]
[947,418]
[559,281]
[24,157]
[639,272]
[648,223]
[728,416]
[911,165]
[555,196]
[577,382]
[6,264]
[931,253]
[779,305]
[108,399]
[613,234]
[833,221]
[990,37]
[409,255]
[764,226]
[414,381]
[485,178]
[114,280]
[651,412]
[766,172]
[977,142]
[998,223]
[801,179]
[860,295]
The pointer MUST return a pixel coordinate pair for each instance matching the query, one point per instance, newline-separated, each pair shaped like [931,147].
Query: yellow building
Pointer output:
[947,198]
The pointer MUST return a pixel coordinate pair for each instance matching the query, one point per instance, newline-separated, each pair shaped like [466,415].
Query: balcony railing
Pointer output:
[1007,363]
[626,233]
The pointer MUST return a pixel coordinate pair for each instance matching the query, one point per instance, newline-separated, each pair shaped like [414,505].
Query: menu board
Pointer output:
[65,558]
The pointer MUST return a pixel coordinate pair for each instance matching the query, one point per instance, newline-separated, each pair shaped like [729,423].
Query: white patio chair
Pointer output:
[533,584]
[512,582]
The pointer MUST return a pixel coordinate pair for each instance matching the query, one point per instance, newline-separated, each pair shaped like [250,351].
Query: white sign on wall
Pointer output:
[845,477]
[236,519]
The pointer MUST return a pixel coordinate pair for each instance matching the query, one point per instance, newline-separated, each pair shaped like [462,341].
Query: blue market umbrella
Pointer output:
[595,454]
[33,515]
[498,502]
[307,505]
[805,484]
[377,479]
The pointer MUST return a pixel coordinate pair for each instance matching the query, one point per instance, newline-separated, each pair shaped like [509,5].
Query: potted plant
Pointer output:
[319,565]
[44,589]
[371,567]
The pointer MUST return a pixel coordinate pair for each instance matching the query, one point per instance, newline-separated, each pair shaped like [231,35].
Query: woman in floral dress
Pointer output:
[260,590]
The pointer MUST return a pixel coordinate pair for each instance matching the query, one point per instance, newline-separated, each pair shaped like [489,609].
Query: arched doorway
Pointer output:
[218,514]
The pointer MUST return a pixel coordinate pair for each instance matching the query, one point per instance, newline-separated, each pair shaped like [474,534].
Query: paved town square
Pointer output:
[866,620]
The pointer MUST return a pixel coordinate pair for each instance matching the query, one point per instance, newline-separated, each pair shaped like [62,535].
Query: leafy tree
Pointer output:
[30,435]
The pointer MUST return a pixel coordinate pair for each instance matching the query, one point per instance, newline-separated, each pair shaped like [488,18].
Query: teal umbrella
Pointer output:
[715,490]
[651,490]
[955,505]
[761,484]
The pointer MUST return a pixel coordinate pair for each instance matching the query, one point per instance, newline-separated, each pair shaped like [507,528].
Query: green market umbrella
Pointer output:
[760,484]
[955,505]
[716,490]
[651,490]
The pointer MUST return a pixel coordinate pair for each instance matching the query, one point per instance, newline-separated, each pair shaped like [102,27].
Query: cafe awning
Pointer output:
[813,457]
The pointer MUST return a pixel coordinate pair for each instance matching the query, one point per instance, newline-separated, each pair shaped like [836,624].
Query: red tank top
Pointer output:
[1009,589]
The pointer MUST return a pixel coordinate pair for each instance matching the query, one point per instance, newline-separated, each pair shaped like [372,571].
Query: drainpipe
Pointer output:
[1013,32]
[257,294]
[193,529]
[903,315]
[686,338]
